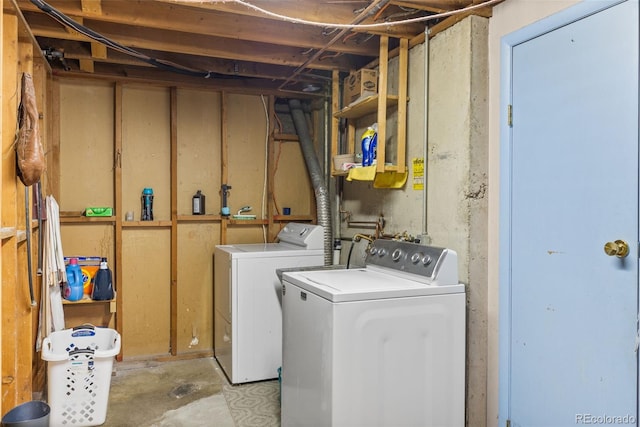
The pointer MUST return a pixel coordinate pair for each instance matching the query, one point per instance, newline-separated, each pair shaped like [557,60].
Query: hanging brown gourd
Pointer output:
[29,151]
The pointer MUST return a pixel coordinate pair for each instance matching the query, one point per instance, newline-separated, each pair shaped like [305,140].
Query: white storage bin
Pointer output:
[80,362]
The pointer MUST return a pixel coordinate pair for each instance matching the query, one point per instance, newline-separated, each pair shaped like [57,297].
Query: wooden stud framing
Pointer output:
[173,322]
[224,156]
[403,63]
[383,78]
[117,184]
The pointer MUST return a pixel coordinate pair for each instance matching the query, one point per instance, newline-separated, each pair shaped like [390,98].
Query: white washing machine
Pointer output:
[247,307]
[382,345]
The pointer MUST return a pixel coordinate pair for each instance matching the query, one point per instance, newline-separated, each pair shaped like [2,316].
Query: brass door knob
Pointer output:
[619,248]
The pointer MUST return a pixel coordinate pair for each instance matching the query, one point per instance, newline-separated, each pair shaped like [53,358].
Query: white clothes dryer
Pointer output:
[247,300]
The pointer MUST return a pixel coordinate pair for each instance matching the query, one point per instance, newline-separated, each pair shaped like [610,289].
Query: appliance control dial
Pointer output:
[415,258]
[373,250]
[382,252]
[396,255]
[426,260]
[304,231]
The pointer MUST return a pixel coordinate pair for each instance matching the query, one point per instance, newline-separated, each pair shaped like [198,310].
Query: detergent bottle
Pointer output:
[103,283]
[73,289]
[369,145]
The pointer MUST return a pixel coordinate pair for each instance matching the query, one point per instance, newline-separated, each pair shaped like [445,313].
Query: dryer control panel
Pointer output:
[309,236]
[437,265]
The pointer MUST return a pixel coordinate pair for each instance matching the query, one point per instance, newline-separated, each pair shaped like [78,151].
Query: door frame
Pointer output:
[507,43]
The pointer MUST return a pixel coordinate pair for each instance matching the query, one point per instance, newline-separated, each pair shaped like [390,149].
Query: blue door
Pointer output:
[569,186]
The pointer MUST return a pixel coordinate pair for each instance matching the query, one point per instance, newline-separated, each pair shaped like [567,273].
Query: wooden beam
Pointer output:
[193,44]
[219,23]
[98,50]
[173,129]
[383,78]
[335,121]
[92,7]
[224,159]
[117,185]
[403,67]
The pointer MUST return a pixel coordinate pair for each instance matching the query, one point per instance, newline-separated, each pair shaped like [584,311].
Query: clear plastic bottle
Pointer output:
[102,283]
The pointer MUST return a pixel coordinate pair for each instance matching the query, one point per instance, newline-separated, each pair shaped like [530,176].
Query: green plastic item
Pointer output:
[93,211]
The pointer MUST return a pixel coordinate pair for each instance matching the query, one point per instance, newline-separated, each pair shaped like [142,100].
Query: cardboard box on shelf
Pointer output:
[359,84]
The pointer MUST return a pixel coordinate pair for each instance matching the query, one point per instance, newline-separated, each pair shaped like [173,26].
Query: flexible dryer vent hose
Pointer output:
[317,178]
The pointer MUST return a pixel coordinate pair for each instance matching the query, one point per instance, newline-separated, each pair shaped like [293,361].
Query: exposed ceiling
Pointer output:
[229,43]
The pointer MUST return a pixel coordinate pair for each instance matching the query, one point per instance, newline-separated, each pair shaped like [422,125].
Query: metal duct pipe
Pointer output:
[316,175]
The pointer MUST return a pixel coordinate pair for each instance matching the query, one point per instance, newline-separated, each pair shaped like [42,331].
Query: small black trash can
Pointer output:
[29,414]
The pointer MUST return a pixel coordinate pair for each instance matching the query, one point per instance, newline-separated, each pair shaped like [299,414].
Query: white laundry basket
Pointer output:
[80,362]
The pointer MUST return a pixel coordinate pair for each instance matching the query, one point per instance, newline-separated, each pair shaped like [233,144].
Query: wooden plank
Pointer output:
[383,77]
[224,157]
[117,186]
[86,65]
[173,130]
[10,94]
[52,184]
[271,170]
[22,301]
[403,62]
[365,106]
[196,242]
[93,7]
[146,160]
[98,50]
[335,121]
[211,23]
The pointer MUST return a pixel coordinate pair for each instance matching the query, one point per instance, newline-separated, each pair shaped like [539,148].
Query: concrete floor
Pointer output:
[175,394]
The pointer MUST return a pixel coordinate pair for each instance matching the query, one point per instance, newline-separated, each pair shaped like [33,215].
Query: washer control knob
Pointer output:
[426,260]
[415,258]
[382,252]
[396,255]
[373,250]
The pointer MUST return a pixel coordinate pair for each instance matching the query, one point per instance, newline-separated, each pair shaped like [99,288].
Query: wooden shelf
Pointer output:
[7,232]
[87,300]
[378,104]
[86,219]
[292,218]
[199,218]
[150,224]
[232,221]
[365,106]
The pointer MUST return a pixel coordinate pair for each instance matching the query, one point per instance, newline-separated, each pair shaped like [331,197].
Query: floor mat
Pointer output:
[255,404]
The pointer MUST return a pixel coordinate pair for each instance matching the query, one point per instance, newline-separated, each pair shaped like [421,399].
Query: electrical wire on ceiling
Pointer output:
[349,26]
[162,64]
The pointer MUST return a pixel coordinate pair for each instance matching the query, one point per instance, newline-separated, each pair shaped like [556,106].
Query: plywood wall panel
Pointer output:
[86,145]
[246,139]
[146,149]
[199,140]
[239,234]
[196,243]
[145,291]
[292,186]
[88,240]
